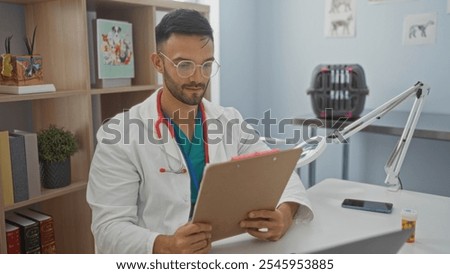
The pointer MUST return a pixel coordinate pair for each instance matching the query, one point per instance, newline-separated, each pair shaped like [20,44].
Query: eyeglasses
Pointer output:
[186,68]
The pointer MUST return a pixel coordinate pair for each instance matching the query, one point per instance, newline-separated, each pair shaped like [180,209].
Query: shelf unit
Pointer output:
[62,41]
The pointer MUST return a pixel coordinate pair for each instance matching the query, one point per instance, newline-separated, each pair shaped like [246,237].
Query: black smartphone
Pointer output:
[374,206]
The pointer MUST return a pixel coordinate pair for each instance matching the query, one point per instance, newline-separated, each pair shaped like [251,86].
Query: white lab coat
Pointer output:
[132,202]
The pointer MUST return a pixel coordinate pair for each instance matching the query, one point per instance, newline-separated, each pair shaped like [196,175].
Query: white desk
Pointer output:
[333,225]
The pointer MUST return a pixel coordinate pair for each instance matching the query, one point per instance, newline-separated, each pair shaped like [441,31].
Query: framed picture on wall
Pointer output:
[340,18]
[115,56]
[419,29]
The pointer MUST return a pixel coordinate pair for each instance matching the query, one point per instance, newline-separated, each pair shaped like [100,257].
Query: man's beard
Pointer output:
[179,92]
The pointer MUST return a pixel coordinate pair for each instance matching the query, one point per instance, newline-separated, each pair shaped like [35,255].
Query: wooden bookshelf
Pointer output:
[48,194]
[36,96]
[134,88]
[62,41]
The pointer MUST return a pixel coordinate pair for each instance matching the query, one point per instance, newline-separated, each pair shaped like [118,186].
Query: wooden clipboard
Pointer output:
[230,190]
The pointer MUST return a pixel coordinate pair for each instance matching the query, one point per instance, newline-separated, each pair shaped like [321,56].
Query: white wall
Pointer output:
[285,40]
[239,74]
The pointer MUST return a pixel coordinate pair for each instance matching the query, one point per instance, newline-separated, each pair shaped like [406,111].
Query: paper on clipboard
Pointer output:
[230,190]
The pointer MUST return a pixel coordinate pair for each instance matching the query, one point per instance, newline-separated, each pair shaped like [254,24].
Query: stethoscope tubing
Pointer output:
[165,121]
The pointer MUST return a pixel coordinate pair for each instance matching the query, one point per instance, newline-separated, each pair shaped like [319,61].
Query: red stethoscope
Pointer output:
[180,169]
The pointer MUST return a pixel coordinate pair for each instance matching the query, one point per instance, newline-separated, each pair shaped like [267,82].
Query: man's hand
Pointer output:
[189,238]
[270,225]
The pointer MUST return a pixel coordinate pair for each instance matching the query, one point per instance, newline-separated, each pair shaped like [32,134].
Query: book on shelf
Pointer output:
[29,233]
[5,169]
[46,227]
[12,239]
[19,167]
[113,47]
[32,159]
[113,83]
[27,89]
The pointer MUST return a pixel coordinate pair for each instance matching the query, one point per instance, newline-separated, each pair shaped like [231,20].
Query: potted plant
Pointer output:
[55,146]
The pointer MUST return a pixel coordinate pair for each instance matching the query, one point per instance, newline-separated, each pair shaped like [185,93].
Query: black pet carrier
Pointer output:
[338,91]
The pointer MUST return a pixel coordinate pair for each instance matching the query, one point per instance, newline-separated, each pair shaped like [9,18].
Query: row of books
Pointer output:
[19,166]
[30,232]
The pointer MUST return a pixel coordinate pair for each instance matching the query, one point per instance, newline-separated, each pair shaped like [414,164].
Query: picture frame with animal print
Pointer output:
[419,29]
[115,55]
[340,18]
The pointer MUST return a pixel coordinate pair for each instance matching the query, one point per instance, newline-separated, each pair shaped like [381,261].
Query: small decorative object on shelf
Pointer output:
[55,146]
[115,56]
[27,89]
[22,74]
[6,67]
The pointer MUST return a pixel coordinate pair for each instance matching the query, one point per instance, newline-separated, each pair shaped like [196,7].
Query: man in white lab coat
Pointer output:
[148,164]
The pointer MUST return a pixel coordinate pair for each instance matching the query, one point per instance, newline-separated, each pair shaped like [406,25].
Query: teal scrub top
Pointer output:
[194,154]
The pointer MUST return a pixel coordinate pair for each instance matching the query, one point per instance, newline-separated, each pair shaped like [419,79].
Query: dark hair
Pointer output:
[182,21]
